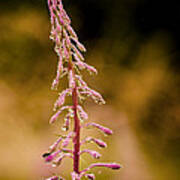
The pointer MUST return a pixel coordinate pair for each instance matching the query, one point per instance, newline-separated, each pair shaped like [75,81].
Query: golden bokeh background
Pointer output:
[138,76]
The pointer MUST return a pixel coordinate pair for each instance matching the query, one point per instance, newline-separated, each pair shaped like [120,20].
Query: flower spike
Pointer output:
[70,55]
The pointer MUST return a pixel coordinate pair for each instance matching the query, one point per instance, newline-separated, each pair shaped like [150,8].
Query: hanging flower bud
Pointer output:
[61,99]
[71,79]
[94,154]
[67,139]
[58,161]
[99,142]
[108,165]
[79,45]
[53,147]
[51,157]
[105,130]
[82,113]
[56,115]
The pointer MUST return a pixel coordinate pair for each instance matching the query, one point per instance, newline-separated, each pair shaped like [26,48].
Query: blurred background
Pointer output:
[135,46]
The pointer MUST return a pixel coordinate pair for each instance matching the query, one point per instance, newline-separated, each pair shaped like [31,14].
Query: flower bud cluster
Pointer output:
[70,63]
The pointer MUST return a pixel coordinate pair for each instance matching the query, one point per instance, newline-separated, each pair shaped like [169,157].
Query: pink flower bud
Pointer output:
[94,154]
[77,52]
[79,45]
[99,142]
[108,165]
[54,146]
[71,31]
[82,113]
[58,161]
[82,83]
[59,70]
[51,157]
[56,115]
[71,79]
[105,130]
[67,139]
[113,166]
[67,38]
[61,99]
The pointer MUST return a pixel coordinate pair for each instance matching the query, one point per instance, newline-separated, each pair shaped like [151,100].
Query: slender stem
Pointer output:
[76,139]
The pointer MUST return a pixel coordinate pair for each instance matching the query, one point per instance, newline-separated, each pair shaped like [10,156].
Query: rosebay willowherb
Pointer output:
[70,64]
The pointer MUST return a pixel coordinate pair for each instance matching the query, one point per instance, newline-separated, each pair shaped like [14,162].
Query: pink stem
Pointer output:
[76,140]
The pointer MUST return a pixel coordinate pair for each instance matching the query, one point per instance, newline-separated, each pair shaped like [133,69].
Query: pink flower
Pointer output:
[61,99]
[99,142]
[67,139]
[69,51]
[58,161]
[105,130]
[79,45]
[108,165]
[94,154]
[82,113]
[56,115]
[71,79]
[54,146]
[51,157]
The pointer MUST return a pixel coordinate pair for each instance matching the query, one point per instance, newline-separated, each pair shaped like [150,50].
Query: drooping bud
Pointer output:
[54,146]
[108,165]
[79,45]
[76,51]
[61,99]
[58,161]
[67,139]
[82,113]
[71,79]
[81,81]
[59,70]
[99,142]
[93,94]
[105,130]
[94,154]
[56,115]
[71,31]
[51,157]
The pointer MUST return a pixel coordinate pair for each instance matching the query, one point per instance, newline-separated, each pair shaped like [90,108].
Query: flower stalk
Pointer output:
[76,140]
[70,64]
